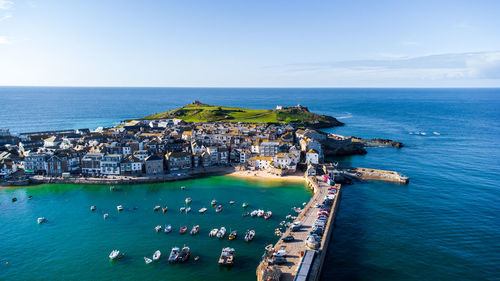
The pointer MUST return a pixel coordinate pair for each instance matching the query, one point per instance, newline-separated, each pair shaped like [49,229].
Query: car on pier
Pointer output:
[277,260]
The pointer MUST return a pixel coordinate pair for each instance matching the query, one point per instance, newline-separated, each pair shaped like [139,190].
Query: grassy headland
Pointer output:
[198,112]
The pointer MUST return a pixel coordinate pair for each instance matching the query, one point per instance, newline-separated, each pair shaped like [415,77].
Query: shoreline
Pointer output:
[262,175]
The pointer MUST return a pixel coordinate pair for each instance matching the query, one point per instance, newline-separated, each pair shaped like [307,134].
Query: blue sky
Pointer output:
[250,43]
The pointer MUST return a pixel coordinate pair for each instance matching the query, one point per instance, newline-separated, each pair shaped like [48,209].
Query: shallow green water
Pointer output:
[75,243]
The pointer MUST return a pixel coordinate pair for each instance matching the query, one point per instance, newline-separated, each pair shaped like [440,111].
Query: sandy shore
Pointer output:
[262,175]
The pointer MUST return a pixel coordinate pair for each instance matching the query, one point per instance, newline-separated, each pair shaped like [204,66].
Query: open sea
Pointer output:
[443,225]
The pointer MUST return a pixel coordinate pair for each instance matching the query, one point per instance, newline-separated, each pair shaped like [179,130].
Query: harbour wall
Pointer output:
[376,174]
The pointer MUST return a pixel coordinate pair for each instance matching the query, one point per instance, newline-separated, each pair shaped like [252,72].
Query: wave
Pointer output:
[348,115]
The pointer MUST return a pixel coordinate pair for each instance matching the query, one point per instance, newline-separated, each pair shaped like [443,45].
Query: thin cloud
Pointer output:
[4,41]
[6,4]
[477,65]
[5,16]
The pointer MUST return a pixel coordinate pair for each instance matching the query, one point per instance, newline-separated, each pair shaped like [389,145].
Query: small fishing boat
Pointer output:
[184,254]
[168,228]
[115,254]
[156,208]
[30,197]
[231,202]
[213,232]
[214,202]
[194,230]
[164,209]
[233,235]
[183,230]
[182,209]
[244,205]
[202,210]
[227,256]
[221,233]
[119,208]
[245,214]
[269,248]
[92,208]
[249,235]
[14,199]
[260,213]
[188,209]
[188,200]
[196,258]
[158,228]
[173,255]
[268,214]
[41,220]
[157,255]
[183,187]
[105,216]
[148,260]
[253,213]
[219,209]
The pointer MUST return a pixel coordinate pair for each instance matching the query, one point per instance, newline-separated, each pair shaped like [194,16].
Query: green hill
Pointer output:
[198,112]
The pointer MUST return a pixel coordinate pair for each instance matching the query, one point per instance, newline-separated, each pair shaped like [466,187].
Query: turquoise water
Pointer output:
[75,243]
[444,225]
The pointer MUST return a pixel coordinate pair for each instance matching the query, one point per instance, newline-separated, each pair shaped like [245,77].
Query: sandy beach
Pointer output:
[262,175]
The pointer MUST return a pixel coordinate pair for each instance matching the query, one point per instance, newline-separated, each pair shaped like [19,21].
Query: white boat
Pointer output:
[214,202]
[280,253]
[219,209]
[182,209]
[168,228]
[158,228]
[249,235]
[41,220]
[115,254]
[156,208]
[202,210]
[157,255]
[92,208]
[227,256]
[148,260]
[231,202]
[268,214]
[260,213]
[105,216]
[253,213]
[188,209]
[221,233]
[244,205]
[213,232]
[188,200]
[119,208]
[195,230]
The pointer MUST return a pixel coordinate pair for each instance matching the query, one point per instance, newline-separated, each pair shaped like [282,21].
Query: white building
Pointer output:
[110,164]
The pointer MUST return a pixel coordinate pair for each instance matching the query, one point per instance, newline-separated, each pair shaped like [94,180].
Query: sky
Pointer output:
[260,43]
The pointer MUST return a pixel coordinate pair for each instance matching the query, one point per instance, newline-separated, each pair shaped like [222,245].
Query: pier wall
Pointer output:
[376,174]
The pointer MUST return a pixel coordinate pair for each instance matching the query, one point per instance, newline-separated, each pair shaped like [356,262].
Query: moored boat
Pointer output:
[188,200]
[244,205]
[194,230]
[182,209]
[105,216]
[184,254]
[249,235]
[92,208]
[156,208]
[164,209]
[253,213]
[213,232]
[214,202]
[157,255]
[221,233]
[227,256]
[14,199]
[183,230]
[173,255]
[233,235]
[188,209]
[41,220]
[231,202]
[245,214]
[168,228]
[115,254]
[268,214]
[260,213]
[148,260]
[119,208]
[158,228]
[202,210]
[219,209]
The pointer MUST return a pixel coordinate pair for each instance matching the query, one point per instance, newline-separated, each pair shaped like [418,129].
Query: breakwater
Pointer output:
[375,174]
[303,263]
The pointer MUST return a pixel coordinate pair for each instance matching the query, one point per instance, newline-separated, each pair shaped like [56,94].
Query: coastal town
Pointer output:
[163,149]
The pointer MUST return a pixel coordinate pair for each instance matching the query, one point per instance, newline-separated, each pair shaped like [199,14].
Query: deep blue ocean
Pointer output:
[444,225]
